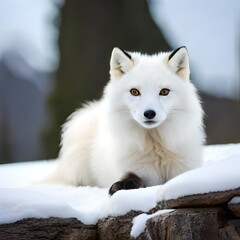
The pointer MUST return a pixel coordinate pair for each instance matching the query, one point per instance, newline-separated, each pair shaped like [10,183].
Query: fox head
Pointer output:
[150,88]
[121,62]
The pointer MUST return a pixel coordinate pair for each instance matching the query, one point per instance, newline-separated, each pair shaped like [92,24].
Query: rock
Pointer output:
[189,223]
[182,224]
[200,200]
[49,228]
[116,227]
[235,208]
[201,216]
[230,231]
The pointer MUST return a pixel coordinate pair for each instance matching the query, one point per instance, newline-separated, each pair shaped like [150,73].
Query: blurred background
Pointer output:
[54,56]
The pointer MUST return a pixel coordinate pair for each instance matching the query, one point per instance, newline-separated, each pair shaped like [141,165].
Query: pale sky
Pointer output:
[29,23]
[211,31]
[209,28]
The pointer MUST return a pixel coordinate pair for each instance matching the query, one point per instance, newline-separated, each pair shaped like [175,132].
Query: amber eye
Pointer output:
[164,92]
[135,92]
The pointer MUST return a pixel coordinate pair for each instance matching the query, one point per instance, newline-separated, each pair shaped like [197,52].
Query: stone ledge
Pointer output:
[235,208]
[49,228]
[187,223]
[200,200]
[201,216]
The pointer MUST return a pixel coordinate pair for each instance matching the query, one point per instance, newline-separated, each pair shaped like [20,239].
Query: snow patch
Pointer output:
[139,222]
[21,199]
[143,199]
[220,176]
[24,173]
[235,200]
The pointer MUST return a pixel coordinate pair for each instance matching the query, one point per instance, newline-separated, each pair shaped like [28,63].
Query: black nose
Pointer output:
[149,114]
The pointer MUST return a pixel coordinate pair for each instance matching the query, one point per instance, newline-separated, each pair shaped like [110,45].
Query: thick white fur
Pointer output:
[108,138]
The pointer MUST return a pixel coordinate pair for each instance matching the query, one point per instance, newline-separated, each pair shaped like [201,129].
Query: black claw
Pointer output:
[129,181]
[115,187]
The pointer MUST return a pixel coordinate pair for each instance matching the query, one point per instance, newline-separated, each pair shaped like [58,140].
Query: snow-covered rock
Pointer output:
[213,184]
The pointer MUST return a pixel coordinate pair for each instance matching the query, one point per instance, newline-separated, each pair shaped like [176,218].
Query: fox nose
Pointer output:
[149,114]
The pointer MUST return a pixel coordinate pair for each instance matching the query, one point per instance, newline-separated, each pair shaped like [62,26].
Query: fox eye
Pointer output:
[135,92]
[164,92]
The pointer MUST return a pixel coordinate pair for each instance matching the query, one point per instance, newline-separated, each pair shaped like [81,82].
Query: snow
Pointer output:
[21,197]
[139,222]
[138,199]
[235,200]
[220,176]
[52,201]
[213,153]
[25,173]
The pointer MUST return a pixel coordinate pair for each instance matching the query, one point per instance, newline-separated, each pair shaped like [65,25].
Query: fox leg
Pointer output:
[129,181]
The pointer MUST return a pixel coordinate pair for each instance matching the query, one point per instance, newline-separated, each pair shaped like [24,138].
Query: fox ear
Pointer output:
[178,62]
[120,63]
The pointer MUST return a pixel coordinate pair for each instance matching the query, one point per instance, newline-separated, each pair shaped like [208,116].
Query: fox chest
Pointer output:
[155,166]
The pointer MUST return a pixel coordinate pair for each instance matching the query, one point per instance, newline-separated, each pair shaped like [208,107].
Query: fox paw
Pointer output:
[129,181]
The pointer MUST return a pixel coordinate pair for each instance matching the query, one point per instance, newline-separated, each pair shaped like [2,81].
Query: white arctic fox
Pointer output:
[148,124]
